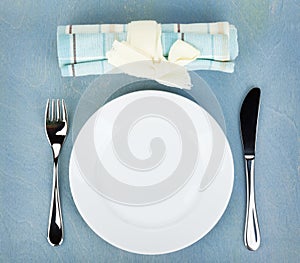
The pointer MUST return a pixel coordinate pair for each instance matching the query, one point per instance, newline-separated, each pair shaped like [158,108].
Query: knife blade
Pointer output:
[249,117]
[248,120]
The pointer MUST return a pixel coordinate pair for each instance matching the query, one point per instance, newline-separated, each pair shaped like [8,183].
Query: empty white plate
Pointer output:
[151,172]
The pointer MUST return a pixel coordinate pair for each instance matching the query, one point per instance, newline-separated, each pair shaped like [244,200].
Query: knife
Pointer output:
[249,118]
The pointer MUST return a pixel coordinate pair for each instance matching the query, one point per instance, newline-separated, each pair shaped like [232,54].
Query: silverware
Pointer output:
[248,117]
[56,127]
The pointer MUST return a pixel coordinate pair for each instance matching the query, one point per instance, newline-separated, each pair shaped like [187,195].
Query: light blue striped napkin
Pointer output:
[82,48]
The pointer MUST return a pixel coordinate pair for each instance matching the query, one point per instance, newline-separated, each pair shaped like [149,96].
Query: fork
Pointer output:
[56,127]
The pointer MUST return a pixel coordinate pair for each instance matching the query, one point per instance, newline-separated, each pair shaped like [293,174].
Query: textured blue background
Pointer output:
[269,34]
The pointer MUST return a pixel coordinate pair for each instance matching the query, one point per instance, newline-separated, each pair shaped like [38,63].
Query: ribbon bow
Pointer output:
[143,45]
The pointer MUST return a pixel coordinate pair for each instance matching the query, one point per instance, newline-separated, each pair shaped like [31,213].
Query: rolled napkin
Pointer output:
[82,49]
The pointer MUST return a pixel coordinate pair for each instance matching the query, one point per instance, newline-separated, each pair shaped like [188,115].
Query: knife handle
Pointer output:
[251,233]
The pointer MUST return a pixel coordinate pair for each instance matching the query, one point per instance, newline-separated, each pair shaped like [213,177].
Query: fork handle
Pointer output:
[55,226]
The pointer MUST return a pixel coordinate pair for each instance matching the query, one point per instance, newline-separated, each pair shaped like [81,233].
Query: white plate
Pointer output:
[183,215]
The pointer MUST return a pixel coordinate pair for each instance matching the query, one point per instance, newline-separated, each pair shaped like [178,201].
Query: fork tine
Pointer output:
[57,110]
[64,110]
[52,110]
[47,111]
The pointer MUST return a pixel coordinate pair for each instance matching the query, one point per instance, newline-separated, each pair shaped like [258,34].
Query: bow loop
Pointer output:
[143,44]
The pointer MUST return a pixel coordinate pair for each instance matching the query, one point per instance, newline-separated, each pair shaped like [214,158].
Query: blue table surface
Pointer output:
[269,34]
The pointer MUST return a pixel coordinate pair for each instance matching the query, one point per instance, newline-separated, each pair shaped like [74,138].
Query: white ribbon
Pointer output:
[143,45]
